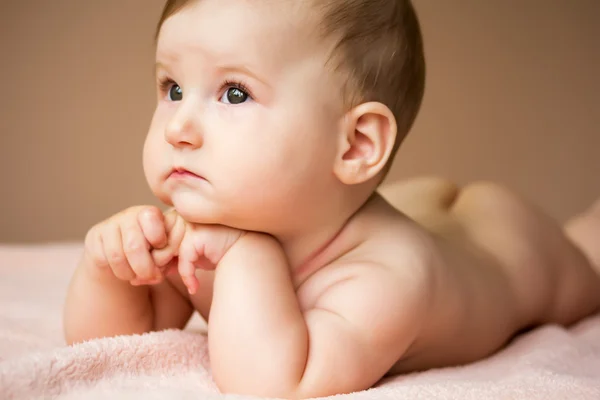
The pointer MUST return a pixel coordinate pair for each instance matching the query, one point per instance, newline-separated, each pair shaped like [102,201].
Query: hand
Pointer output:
[203,246]
[138,244]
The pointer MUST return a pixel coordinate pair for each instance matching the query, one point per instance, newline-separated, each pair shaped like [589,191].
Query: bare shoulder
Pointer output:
[379,243]
[381,288]
[401,245]
[366,309]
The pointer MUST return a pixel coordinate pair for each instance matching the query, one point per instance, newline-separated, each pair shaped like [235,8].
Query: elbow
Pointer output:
[276,387]
[281,382]
[75,333]
[267,392]
[73,336]
[71,331]
[71,340]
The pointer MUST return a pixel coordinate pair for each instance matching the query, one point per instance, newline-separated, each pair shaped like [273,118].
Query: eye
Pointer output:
[235,95]
[175,92]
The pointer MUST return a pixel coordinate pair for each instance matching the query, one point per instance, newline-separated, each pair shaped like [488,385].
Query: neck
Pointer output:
[306,248]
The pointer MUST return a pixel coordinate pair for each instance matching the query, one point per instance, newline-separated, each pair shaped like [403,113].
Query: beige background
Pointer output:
[513,95]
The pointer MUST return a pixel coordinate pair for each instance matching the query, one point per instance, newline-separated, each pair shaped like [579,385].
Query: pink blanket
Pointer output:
[548,363]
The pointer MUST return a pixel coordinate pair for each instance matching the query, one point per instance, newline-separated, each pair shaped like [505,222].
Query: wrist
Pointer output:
[254,243]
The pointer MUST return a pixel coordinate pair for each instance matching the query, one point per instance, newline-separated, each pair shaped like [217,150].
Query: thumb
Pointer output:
[162,257]
[175,227]
[171,217]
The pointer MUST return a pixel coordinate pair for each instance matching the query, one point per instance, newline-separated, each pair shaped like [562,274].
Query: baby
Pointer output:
[276,121]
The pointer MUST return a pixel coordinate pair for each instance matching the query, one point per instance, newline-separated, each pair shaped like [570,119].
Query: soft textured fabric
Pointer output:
[548,363]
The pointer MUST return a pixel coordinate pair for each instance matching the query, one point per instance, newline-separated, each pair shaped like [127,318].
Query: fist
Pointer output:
[203,247]
[138,244]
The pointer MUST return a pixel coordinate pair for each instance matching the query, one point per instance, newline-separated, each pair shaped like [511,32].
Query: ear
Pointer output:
[366,140]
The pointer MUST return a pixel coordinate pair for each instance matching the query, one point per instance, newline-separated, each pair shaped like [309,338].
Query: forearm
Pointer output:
[258,336]
[99,305]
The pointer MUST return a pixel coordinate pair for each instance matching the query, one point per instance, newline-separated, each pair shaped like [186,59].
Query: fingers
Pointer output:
[175,227]
[142,282]
[137,250]
[141,245]
[152,223]
[94,249]
[188,256]
[113,251]
[170,217]
[122,244]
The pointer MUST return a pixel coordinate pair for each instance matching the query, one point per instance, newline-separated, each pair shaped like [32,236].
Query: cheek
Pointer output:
[278,156]
[153,152]
[147,156]
[307,143]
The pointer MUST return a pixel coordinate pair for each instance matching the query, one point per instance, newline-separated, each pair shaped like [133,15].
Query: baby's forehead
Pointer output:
[269,29]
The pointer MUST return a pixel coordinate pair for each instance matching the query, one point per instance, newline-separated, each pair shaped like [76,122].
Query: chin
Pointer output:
[196,209]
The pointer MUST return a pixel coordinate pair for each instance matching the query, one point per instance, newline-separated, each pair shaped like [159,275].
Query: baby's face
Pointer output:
[247,107]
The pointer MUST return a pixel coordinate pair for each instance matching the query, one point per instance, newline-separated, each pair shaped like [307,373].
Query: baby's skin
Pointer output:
[311,282]
[449,281]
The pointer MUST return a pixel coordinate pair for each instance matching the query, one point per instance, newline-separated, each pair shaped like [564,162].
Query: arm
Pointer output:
[261,343]
[100,304]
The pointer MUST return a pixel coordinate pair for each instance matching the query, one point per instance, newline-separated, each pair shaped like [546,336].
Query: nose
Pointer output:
[184,129]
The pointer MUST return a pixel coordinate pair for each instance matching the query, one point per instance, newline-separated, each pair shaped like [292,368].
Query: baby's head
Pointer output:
[289,110]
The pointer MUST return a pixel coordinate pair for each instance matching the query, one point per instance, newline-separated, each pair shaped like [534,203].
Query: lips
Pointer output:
[182,173]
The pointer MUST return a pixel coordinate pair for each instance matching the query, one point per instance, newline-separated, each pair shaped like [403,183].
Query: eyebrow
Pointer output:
[158,66]
[223,69]
[243,70]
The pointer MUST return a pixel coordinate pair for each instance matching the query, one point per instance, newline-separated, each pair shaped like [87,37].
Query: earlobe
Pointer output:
[366,140]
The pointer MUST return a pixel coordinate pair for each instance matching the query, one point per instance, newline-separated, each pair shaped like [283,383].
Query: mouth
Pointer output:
[180,173]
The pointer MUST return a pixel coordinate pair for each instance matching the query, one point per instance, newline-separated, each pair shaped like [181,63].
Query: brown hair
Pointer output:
[379,49]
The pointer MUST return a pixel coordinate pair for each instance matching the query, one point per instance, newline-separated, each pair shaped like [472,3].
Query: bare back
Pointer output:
[503,265]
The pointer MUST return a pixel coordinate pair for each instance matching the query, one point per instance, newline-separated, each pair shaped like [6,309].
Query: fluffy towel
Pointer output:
[547,363]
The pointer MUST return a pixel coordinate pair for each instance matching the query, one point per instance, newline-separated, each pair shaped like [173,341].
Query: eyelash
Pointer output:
[165,84]
[237,85]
